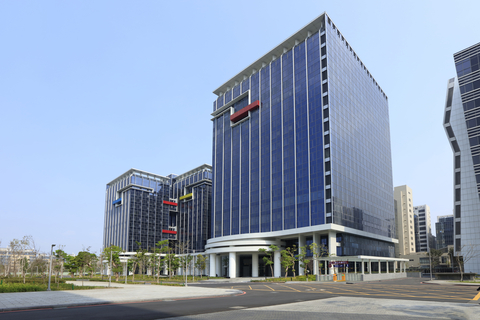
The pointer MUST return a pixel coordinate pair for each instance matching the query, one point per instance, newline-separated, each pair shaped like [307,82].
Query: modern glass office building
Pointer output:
[444,230]
[301,154]
[462,126]
[142,207]
[193,193]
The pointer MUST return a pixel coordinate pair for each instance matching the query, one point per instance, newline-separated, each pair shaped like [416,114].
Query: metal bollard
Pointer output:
[73,286]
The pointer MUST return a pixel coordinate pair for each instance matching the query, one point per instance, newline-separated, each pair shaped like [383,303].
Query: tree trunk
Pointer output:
[158,270]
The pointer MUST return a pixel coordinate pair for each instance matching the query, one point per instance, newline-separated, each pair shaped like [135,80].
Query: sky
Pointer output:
[90,89]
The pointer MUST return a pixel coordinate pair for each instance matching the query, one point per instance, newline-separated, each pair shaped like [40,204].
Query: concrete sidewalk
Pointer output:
[118,293]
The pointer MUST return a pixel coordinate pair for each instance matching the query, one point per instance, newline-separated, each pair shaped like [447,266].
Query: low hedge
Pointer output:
[20,287]
[31,280]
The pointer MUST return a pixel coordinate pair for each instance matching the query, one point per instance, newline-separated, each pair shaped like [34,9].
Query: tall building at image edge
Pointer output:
[462,126]
[142,207]
[301,154]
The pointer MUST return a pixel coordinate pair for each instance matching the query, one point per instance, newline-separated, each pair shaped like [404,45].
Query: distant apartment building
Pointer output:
[424,227]
[11,261]
[142,208]
[462,126]
[444,230]
[405,223]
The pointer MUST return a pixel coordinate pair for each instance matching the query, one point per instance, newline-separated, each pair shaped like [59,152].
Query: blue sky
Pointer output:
[90,89]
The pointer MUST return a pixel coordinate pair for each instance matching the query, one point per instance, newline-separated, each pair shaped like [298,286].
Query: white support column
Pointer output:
[232,265]
[302,240]
[355,266]
[276,264]
[394,266]
[379,267]
[212,264]
[218,265]
[255,264]
[369,266]
[387,262]
[404,267]
[316,239]
[363,267]
[325,265]
[332,246]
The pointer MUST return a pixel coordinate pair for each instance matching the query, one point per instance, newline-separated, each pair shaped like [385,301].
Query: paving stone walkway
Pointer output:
[118,293]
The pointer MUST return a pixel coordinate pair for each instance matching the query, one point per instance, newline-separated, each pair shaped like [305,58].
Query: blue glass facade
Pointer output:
[317,149]
[359,135]
[145,208]
[444,230]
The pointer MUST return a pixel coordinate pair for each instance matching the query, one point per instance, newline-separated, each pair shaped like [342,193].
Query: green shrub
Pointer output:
[20,287]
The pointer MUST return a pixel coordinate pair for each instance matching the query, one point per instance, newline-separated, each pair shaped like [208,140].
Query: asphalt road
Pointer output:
[256,295]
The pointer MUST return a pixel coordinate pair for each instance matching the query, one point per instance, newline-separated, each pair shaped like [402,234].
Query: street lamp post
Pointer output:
[194,265]
[110,273]
[50,270]
[430,260]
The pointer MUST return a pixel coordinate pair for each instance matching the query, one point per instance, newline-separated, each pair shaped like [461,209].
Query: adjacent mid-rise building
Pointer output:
[462,126]
[424,228]
[405,222]
[444,230]
[301,154]
[143,208]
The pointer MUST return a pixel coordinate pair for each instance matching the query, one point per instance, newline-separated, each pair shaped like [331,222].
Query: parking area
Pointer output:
[409,289]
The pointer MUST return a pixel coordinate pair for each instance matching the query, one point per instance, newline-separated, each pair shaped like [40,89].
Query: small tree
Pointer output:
[435,255]
[302,259]
[113,252]
[287,259]
[60,256]
[268,258]
[162,248]
[185,257]
[467,253]
[201,264]
[318,251]
[70,264]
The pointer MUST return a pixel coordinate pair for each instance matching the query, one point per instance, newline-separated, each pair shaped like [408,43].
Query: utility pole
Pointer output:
[430,258]
[50,270]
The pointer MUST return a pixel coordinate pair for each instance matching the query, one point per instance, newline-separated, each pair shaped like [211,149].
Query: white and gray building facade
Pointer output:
[424,227]
[462,126]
